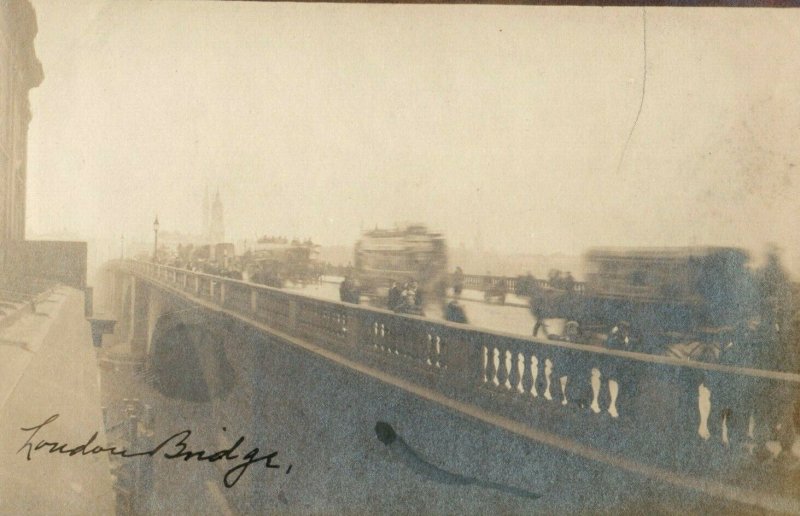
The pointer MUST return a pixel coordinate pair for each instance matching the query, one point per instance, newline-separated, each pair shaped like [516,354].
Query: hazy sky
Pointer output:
[500,123]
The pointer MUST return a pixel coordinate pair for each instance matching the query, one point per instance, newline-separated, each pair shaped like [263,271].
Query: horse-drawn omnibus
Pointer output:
[403,254]
[275,261]
[659,295]
[686,290]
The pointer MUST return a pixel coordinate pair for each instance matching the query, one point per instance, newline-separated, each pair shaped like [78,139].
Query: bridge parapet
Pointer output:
[665,411]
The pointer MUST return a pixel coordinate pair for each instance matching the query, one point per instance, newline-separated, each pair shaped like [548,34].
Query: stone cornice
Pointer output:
[21,27]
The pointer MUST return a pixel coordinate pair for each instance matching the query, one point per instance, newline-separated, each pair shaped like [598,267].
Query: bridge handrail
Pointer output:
[506,373]
[486,332]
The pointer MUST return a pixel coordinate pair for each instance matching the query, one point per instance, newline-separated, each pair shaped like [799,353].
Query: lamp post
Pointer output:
[155,244]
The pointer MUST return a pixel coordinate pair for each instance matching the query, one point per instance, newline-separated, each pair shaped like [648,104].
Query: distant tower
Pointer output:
[217,222]
[206,217]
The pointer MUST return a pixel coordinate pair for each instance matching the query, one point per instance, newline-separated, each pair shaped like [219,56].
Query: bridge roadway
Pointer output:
[315,376]
[513,317]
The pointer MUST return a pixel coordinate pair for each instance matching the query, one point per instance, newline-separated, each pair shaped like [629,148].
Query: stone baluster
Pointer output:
[375,334]
[520,372]
[704,408]
[433,348]
[613,393]
[485,362]
[495,365]
[430,349]
[548,373]
[502,372]
[595,382]
[534,375]
[513,373]
[386,345]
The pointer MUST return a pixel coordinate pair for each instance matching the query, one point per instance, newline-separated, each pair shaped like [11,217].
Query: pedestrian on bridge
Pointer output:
[454,312]
[537,310]
[569,282]
[458,282]
[734,397]
[395,299]
[348,291]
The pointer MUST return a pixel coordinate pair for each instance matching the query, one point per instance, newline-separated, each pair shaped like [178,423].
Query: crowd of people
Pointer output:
[557,281]
[232,270]
[406,300]
[283,240]
[261,273]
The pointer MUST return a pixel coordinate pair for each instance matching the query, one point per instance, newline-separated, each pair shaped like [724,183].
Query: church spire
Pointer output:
[217,222]
[206,215]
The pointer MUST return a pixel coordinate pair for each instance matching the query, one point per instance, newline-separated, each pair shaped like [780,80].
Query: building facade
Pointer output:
[20,70]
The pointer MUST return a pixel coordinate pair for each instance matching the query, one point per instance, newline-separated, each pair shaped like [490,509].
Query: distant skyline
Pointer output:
[500,124]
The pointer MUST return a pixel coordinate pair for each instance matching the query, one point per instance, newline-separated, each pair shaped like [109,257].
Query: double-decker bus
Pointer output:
[403,254]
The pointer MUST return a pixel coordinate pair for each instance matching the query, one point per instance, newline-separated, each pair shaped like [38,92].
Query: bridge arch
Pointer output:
[187,359]
[181,347]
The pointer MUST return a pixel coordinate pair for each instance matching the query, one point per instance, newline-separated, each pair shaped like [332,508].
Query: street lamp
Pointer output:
[155,245]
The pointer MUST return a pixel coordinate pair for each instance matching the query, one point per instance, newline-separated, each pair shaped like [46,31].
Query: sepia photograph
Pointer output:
[399,258]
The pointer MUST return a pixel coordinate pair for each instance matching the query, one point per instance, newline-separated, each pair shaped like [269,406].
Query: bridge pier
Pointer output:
[155,310]
[133,304]
[139,313]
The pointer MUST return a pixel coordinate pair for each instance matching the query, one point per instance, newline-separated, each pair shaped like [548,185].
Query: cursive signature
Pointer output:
[171,448]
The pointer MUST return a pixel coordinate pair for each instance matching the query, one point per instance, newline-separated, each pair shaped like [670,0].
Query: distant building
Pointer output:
[20,70]
[213,220]
[216,222]
[213,231]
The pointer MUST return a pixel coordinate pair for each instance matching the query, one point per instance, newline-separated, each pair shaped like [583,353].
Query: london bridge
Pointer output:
[390,259]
